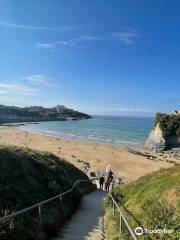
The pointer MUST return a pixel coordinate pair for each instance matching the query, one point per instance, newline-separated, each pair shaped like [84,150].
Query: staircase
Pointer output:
[88,221]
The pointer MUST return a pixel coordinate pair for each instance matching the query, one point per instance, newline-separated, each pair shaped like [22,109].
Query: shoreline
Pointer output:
[124,164]
[79,138]
[83,139]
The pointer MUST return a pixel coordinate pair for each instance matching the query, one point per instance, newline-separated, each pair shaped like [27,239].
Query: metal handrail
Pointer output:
[40,204]
[122,217]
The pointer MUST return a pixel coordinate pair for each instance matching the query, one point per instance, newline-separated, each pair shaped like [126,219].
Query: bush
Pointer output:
[158,214]
[169,124]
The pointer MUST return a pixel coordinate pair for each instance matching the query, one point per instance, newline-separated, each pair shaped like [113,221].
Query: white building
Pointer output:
[176,112]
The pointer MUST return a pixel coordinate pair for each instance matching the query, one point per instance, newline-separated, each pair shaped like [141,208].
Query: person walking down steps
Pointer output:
[101,182]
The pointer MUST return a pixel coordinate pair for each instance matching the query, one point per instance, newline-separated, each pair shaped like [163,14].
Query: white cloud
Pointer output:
[127,35]
[28,27]
[90,38]
[121,109]
[46,46]
[72,42]
[68,43]
[37,78]
[124,109]
[12,90]
[110,110]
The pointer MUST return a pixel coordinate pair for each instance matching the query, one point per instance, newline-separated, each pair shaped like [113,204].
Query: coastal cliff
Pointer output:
[10,114]
[166,132]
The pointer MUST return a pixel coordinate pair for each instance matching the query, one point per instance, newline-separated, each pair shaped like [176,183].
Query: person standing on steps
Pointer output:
[107,184]
[101,182]
[110,175]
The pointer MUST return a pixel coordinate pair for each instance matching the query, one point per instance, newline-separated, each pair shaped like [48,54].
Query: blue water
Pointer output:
[123,131]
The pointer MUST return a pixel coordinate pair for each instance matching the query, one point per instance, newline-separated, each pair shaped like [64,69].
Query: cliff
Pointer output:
[38,113]
[166,133]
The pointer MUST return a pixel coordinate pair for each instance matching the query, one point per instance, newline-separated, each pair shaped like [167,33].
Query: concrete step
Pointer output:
[88,222]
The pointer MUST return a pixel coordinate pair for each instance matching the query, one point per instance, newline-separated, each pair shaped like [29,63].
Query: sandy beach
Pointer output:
[123,163]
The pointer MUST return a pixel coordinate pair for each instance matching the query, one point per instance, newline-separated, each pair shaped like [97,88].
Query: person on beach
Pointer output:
[101,182]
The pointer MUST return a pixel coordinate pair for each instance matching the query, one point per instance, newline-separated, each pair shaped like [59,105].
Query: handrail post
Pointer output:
[113,208]
[39,213]
[120,224]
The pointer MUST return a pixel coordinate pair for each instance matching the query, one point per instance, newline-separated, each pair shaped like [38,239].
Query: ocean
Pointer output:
[120,131]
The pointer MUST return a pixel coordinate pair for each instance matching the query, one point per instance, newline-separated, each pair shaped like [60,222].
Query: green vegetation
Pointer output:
[38,113]
[28,177]
[152,202]
[169,124]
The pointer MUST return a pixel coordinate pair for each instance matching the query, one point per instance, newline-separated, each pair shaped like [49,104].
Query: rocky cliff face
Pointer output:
[156,141]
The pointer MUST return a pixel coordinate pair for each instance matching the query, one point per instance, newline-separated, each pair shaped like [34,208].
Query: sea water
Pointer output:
[123,131]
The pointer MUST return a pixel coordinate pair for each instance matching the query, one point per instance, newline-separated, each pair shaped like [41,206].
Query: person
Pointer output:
[110,175]
[101,182]
[107,184]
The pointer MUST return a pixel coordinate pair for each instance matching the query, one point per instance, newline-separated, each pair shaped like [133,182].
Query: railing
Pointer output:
[122,219]
[40,204]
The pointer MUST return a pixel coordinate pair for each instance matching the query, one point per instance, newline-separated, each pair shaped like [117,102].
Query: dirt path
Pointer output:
[88,222]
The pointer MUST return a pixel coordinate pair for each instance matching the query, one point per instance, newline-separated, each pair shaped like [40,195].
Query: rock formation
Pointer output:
[166,133]
[156,141]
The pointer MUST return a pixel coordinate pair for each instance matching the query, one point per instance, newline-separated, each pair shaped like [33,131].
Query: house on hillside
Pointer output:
[176,112]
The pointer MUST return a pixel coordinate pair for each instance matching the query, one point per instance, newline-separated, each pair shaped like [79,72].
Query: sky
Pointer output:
[118,57]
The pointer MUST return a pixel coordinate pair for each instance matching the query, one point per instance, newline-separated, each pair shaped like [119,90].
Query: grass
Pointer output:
[152,202]
[28,177]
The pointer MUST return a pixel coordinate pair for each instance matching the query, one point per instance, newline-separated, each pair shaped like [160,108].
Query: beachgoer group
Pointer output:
[107,183]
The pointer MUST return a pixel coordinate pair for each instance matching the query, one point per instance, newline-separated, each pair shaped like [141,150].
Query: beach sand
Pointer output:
[123,163]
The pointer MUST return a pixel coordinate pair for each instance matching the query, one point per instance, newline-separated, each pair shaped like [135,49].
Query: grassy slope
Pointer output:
[27,177]
[153,201]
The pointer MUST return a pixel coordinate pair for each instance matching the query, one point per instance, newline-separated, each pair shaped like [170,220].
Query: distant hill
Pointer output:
[38,113]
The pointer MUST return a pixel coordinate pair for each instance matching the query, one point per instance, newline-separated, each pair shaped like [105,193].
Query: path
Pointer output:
[88,221]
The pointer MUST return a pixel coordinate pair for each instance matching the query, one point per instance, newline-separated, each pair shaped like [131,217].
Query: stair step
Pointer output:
[88,222]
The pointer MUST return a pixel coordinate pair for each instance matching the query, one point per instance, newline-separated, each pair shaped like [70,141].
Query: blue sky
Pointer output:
[118,57]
